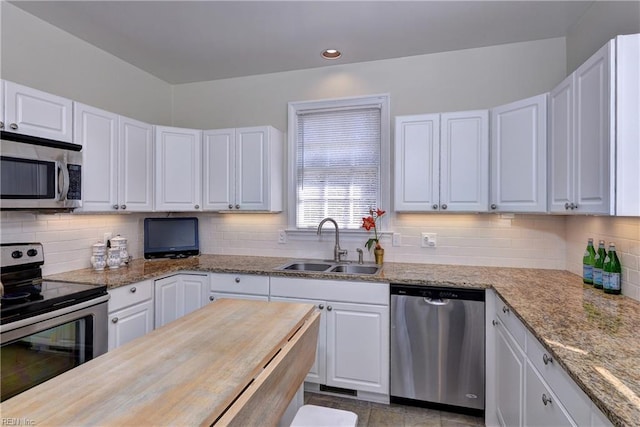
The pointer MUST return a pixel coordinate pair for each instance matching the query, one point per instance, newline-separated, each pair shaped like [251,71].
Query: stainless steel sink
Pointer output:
[306,266]
[329,267]
[355,269]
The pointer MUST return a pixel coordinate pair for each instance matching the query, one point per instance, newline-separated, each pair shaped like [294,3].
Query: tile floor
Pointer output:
[378,415]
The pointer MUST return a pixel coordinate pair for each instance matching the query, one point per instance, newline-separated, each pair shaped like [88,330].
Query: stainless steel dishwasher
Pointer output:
[437,347]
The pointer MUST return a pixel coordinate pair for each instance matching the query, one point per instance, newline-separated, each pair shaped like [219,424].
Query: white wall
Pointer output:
[601,22]
[39,55]
[450,81]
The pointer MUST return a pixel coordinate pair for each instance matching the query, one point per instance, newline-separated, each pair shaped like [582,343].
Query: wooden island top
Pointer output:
[232,362]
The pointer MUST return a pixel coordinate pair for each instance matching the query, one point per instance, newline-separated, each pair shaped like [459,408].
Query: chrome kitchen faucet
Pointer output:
[337,252]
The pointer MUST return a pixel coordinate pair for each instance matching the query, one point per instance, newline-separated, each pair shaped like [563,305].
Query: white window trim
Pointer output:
[381,101]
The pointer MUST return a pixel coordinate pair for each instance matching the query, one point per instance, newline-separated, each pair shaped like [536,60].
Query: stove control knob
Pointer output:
[16,254]
[32,252]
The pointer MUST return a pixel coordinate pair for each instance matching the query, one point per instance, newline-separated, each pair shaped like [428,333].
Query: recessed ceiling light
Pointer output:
[331,54]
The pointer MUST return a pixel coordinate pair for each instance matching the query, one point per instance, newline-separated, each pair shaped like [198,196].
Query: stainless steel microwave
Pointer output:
[36,176]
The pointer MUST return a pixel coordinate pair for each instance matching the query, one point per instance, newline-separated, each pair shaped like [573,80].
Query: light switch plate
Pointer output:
[397,239]
[282,236]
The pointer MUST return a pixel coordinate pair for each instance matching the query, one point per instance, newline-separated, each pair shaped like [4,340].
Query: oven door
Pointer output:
[36,177]
[40,347]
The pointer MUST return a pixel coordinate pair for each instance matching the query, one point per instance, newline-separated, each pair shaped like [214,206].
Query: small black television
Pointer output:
[171,237]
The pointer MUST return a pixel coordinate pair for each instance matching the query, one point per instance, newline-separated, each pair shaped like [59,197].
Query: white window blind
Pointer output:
[338,165]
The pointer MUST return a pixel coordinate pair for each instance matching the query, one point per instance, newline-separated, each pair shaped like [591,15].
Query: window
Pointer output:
[339,160]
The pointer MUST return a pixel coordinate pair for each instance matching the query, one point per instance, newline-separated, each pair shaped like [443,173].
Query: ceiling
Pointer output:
[190,41]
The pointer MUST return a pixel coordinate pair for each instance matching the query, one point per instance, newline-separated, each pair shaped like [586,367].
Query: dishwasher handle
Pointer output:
[436,301]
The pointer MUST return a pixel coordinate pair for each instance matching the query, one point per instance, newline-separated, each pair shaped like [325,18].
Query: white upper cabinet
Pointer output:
[442,162]
[117,161]
[36,113]
[135,166]
[519,156]
[594,133]
[97,131]
[243,169]
[178,169]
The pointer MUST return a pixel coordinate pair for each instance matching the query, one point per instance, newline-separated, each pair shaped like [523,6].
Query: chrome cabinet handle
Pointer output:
[435,206]
[212,298]
[116,207]
[495,322]
[230,206]
[1,125]
[114,320]
[237,280]
[133,290]
[444,206]
[494,206]
[546,400]
[13,126]
[123,207]
[566,206]
[505,309]
[574,206]
[197,206]
[237,206]
[321,306]
[546,359]
[329,308]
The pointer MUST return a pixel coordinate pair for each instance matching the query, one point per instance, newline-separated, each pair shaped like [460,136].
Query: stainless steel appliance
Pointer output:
[46,328]
[437,347]
[40,174]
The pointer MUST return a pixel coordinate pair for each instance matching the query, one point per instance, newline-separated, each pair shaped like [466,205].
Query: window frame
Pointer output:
[384,190]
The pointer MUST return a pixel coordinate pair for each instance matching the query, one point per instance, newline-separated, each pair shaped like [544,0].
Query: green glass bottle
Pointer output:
[612,272]
[588,261]
[597,268]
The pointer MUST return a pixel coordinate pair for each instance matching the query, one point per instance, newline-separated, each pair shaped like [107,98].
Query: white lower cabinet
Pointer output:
[178,295]
[130,313]
[529,388]
[353,341]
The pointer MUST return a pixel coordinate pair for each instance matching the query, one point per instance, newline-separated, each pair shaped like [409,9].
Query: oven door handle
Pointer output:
[56,313]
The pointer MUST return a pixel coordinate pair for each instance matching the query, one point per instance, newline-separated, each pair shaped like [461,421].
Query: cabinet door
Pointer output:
[519,156]
[130,323]
[509,383]
[195,291]
[32,112]
[542,407]
[464,161]
[97,131]
[561,164]
[593,139]
[252,151]
[135,166]
[318,372]
[168,300]
[219,169]
[358,347]
[417,163]
[178,169]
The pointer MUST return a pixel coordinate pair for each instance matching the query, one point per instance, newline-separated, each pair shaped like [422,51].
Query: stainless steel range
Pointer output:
[46,327]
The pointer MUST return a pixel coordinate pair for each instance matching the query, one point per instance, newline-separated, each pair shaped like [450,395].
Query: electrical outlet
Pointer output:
[107,237]
[282,236]
[397,239]
[429,240]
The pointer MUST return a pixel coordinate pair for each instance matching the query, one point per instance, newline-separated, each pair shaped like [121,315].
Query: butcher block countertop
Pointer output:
[232,362]
[561,312]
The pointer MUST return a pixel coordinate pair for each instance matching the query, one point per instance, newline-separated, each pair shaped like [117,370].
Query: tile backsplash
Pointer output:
[535,241]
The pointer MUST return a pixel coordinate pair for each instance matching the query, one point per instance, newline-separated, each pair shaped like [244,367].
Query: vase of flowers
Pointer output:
[372,222]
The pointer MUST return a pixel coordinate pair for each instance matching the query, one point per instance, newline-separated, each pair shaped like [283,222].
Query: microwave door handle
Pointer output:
[65,181]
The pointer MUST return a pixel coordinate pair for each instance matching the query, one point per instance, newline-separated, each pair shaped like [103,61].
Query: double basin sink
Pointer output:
[331,267]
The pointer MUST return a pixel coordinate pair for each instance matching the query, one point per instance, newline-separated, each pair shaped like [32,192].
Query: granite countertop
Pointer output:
[592,335]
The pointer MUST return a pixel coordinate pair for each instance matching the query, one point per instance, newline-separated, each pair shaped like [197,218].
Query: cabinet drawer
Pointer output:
[239,283]
[511,323]
[572,397]
[215,296]
[334,290]
[542,407]
[130,294]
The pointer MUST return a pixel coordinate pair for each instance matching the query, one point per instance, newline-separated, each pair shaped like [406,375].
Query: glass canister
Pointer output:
[121,243]
[113,259]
